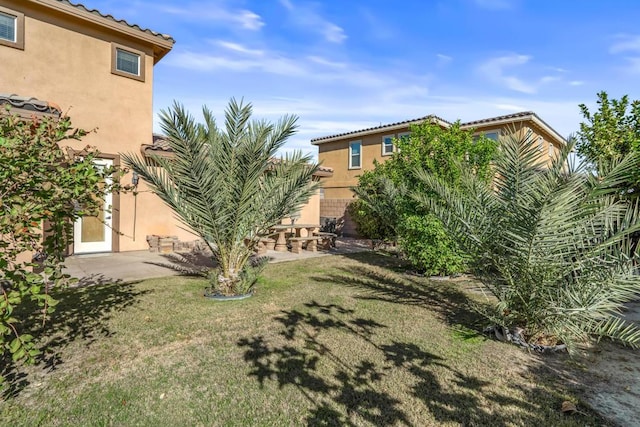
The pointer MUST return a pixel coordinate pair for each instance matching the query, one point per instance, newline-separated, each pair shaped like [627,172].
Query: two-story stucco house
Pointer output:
[59,56]
[351,153]
[98,70]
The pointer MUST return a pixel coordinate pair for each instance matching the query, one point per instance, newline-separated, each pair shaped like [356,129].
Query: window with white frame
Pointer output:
[127,62]
[540,143]
[403,136]
[355,155]
[387,145]
[551,150]
[11,28]
[8,27]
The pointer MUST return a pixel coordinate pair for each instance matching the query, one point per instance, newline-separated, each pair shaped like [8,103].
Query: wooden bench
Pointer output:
[297,242]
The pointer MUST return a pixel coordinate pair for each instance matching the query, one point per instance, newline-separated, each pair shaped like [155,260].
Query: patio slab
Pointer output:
[140,265]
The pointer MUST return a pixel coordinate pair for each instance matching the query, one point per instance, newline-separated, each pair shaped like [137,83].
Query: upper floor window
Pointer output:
[494,135]
[404,135]
[540,143]
[387,145]
[355,155]
[11,28]
[127,62]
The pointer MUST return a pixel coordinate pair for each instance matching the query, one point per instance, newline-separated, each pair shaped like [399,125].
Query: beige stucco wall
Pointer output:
[68,62]
[309,213]
[335,154]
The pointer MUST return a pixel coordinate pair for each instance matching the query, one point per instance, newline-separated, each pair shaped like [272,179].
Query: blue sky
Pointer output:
[343,65]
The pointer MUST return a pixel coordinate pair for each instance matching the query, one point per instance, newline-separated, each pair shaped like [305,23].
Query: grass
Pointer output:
[327,341]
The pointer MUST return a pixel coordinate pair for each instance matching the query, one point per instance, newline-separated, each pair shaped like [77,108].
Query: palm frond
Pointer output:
[550,241]
[226,184]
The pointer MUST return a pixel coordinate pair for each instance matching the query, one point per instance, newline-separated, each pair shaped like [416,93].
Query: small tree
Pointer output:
[43,185]
[552,246]
[446,153]
[611,132]
[226,185]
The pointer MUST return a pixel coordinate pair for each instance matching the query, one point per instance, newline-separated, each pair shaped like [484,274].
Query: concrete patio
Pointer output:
[140,265]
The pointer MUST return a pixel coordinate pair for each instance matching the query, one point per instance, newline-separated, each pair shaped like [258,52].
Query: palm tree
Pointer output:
[552,244]
[225,184]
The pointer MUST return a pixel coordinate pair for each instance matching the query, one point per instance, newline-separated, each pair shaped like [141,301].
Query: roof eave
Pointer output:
[551,131]
[165,44]
[379,129]
[533,117]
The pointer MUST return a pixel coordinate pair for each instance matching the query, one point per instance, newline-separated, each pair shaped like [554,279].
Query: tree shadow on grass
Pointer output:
[82,313]
[349,389]
[194,263]
[380,279]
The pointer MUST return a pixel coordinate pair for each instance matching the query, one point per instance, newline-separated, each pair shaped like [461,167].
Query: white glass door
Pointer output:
[93,233]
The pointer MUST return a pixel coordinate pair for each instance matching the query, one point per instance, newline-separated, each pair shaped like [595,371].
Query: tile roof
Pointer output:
[519,115]
[524,115]
[420,119]
[161,144]
[119,21]
[30,104]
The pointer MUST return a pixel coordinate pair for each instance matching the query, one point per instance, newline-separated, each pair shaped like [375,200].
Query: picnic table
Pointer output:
[297,235]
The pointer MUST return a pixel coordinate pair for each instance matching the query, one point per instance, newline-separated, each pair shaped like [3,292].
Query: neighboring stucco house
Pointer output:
[351,153]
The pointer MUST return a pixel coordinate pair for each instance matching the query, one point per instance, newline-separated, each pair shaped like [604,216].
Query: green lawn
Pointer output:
[337,340]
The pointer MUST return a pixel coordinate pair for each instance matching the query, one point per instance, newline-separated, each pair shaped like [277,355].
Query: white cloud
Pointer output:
[443,59]
[496,70]
[626,43]
[286,4]
[549,79]
[214,62]
[576,83]
[333,33]
[629,44]
[326,62]
[216,12]
[305,15]
[378,28]
[250,20]
[310,68]
[320,114]
[237,47]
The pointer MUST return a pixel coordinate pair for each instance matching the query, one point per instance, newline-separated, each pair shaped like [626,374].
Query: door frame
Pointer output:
[115,210]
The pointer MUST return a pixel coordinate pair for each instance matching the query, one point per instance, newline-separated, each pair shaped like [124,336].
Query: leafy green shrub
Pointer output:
[427,245]
[43,185]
